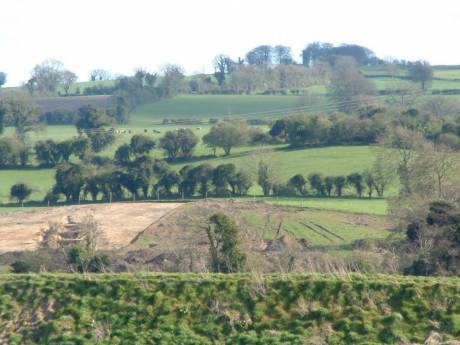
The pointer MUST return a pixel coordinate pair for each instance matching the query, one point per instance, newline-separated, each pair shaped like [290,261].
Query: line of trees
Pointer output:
[327,52]
[48,76]
[265,68]
[95,133]
[143,176]
[421,167]
[2,79]
[371,182]
[317,129]
[436,120]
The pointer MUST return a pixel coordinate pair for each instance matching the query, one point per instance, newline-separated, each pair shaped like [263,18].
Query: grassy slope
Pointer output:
[328,160]
[349,205]
[226,309]
[216,106]
[305,225]
[325,228]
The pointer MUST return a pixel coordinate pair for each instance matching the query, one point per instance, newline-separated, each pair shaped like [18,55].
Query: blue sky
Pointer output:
[123,35]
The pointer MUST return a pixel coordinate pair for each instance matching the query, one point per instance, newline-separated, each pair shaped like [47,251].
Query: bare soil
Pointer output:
[120,222]
[178,241]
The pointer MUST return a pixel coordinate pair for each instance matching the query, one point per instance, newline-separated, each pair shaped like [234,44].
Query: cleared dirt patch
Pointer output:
[178,241]
[120,222]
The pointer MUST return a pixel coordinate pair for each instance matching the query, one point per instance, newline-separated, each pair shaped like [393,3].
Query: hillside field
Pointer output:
[329,160]
[259,220]
[148,117]
[206,309]
[204,107]
[339,160]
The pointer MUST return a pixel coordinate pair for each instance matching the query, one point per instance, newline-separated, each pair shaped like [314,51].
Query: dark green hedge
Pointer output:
[225,309]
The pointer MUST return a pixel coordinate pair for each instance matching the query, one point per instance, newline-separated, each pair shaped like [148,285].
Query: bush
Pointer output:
[281,189]
[59,117]
[224,242]
[20,192]
[20,267]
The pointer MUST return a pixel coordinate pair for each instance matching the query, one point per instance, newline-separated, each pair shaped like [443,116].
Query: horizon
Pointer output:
[87,36]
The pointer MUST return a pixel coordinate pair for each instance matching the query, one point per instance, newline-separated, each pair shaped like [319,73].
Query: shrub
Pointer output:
[21,192]
[223,236]
[20,267]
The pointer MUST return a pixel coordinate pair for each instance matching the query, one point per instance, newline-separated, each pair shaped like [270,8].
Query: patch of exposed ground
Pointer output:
[178,241]
[119,222]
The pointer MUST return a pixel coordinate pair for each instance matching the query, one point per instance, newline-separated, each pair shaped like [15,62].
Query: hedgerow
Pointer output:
[226,309]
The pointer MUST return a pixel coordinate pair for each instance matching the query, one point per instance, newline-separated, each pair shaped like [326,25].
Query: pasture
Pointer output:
[204,107]
[340,160]
[148,117]
[260,222]
[348,205]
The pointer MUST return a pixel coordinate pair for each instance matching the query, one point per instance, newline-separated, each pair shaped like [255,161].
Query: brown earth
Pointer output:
[120,222]
[178,241]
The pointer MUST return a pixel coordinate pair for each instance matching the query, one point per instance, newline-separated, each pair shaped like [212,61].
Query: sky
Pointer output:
[121,35]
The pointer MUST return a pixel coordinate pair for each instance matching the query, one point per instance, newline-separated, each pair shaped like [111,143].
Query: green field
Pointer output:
[446,72]
[82,85]
[439,72]
[210,309]
[328,229]
[385,83]
[349,205]
[217,106]
[340,160]
[330,160]
[40,180]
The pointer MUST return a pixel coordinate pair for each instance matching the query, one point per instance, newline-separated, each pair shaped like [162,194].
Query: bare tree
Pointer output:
[84,232]
[173,81]
[441,106]
[403,94]
[47,76]
[348,86]
[391,67]
[246,79]
[432,169]
[264,168]
[383,172]
[261,55]
[23,115]
[68,78]
[223,65]
[99,74]
[421,71]
[282,55]
[402,148]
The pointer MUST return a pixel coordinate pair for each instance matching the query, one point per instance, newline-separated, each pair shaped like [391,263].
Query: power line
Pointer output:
[281,111]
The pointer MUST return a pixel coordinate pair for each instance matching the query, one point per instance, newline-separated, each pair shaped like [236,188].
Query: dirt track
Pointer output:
[120,222]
